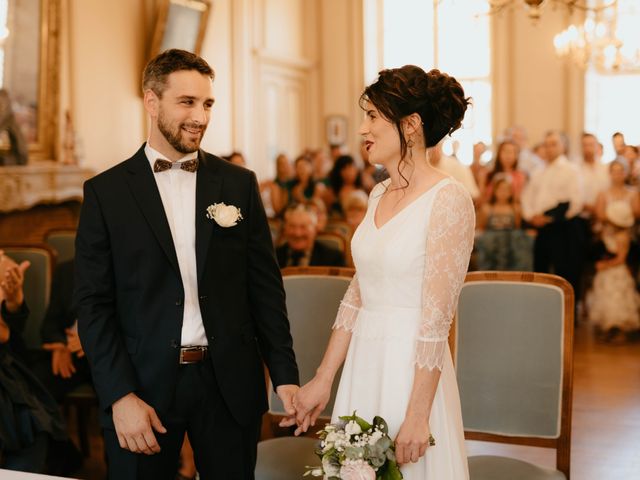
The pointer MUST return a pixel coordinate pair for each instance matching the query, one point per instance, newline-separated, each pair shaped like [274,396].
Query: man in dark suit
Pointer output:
[179,296]
[301,248]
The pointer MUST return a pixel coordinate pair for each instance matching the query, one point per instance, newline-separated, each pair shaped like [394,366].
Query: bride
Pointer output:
[411,254]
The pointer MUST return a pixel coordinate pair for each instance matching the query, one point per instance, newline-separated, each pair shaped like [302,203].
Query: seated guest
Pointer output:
[275,195]
[29,416]
[320,165]
[301,248]
[355,208]
[320,208]
[303,187]
[65,366]
[371,174]
[345,177]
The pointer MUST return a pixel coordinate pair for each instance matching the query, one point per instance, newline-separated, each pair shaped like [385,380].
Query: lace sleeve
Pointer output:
[449,245]
[349,307]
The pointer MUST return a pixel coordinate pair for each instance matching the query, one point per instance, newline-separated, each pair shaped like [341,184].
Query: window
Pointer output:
[450,35]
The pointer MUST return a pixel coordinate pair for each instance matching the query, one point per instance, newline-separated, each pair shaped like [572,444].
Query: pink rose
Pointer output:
[358,470]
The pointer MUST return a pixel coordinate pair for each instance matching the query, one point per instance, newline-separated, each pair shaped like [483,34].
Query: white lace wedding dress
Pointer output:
[399,308]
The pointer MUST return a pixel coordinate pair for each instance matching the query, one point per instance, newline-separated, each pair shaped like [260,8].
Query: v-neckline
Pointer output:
[415,200]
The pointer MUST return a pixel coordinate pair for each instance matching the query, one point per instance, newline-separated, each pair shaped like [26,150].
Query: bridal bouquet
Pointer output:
[355,449]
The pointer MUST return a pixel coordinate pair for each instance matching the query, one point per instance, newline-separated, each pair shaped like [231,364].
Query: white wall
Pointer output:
[106,57]
[532,86]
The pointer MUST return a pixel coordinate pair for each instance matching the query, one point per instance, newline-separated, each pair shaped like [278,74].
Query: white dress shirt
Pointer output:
[595,179]
[556,182]
[178,193]
[462,173]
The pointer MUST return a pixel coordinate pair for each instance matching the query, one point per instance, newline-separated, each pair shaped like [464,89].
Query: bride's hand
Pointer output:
[310,401]
[412,440]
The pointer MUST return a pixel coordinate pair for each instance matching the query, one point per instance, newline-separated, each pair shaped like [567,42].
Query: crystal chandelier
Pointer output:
[607,40]
[535,7]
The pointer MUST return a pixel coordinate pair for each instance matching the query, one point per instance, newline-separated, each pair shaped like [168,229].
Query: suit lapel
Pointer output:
[145,191]
[208,191]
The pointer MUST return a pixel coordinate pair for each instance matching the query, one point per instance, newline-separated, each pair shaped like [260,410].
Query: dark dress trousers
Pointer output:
[129,297]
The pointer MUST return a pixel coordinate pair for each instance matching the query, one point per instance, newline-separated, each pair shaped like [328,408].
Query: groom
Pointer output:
[179,296]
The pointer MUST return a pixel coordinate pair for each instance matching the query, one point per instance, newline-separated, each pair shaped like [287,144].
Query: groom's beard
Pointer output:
[174,135]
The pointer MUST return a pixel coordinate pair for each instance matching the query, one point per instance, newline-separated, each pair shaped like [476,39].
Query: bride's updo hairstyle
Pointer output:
[435,96]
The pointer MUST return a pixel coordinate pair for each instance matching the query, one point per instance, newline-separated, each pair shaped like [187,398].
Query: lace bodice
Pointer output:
[417,260]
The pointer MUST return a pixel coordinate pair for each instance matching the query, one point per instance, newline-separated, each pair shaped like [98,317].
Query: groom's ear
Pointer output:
[151,102]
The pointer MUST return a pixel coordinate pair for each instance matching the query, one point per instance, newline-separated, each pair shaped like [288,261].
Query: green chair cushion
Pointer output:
[490,467]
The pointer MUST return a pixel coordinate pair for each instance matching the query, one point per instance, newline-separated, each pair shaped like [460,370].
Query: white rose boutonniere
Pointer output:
[224,215]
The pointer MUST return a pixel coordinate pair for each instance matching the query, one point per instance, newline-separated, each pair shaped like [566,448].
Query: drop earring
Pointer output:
[410,145]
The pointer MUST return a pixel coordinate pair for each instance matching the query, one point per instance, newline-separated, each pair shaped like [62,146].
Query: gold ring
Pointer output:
[432,441]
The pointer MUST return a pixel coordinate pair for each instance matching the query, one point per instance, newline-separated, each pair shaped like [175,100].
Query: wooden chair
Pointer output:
[339,242]
[82,398]
[339,227]
[37,286]
[313,299]
[333,240]
[514,365]
[63,242]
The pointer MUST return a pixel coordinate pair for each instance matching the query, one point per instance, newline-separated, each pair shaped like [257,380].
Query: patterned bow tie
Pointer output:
[188,165]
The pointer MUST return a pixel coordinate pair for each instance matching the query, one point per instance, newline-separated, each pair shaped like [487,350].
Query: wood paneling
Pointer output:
[30,226]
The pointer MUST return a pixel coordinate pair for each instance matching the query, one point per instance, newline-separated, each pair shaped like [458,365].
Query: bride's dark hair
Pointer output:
[437,97]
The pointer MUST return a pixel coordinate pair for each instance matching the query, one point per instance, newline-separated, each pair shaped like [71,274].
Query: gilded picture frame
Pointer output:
[181,24]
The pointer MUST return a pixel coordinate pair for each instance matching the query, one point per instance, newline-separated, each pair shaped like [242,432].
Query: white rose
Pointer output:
[224,215]
[352,428]
[358,470]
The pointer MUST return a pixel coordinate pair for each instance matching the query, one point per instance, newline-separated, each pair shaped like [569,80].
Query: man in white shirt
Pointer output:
[179,296]
[452,167]
[595,175]
[551,202]
[528,161]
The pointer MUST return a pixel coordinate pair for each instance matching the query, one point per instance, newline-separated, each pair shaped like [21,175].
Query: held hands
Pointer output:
[309,403]
[135,421]
[287,393]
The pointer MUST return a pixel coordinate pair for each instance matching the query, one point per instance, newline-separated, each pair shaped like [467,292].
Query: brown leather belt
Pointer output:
[193,354]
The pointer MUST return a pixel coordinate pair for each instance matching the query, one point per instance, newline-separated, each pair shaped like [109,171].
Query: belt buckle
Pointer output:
[189,349]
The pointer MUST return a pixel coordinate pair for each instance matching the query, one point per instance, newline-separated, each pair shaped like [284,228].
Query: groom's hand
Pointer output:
[286,394]
[134,420]
[311,401]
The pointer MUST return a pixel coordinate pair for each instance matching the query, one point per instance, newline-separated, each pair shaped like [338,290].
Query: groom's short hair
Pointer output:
[161,66]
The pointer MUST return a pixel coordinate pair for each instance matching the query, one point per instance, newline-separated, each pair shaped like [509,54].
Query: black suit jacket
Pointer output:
[129,292]
[321,256]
